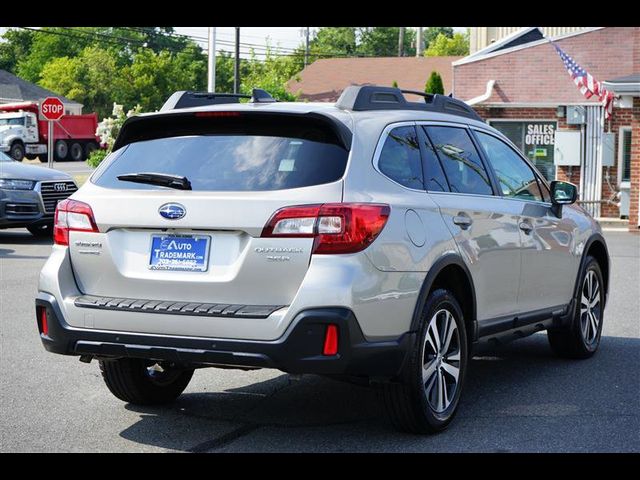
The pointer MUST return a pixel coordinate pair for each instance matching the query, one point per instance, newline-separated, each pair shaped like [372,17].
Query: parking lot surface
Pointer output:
[519,398]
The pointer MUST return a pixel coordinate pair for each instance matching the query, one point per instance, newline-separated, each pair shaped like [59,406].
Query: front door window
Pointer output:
[533,138]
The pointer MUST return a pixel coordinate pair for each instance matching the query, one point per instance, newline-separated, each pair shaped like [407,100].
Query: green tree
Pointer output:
[383,41]
[431,33]
[333,41]
[153,77]
[434,84]
[91,78]
[395,84]
[443,45]
[55,42]
[48,44]
[16,44]
[272,75]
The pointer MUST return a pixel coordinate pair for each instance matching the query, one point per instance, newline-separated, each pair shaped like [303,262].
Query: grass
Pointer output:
[81,178]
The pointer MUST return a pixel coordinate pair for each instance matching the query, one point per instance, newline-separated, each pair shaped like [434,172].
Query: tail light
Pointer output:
[336,227]
[72,215]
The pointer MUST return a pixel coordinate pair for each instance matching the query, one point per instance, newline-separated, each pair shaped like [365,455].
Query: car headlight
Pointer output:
[14,184]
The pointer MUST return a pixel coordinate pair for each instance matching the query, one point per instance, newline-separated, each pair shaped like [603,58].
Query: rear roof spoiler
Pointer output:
[177,123]
[188,99]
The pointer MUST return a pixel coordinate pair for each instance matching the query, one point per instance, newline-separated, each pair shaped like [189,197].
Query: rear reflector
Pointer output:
[72,215]
[43,325]
[336,227]
[330,340]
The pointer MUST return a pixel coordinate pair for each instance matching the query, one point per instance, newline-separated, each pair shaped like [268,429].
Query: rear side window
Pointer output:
[234,161]
[460,160]
[400,158]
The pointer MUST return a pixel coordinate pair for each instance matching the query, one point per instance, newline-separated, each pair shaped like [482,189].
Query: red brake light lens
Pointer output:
[72,215]
[336,227]
[330,340]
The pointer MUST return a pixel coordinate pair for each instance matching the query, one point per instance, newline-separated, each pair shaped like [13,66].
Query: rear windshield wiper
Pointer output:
[162,179]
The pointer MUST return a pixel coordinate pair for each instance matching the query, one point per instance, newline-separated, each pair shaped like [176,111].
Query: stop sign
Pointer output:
[52,108]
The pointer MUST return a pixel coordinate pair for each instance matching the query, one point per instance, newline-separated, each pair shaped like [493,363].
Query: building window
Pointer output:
[625,154]
[533,138]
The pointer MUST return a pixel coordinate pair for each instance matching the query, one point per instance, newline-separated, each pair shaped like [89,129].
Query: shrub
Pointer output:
[434,84]
[96,157]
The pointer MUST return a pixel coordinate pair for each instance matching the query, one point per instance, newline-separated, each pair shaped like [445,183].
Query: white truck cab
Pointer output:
[22,126]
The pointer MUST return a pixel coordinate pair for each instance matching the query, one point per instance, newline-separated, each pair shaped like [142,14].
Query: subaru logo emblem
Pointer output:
[60,187]
[172,211]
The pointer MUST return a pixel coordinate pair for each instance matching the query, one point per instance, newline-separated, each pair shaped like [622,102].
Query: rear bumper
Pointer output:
[299,350]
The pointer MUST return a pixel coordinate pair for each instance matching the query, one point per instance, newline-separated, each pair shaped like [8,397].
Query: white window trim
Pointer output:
[621,184]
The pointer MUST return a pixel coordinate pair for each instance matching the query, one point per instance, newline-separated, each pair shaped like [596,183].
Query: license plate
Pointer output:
[187,253]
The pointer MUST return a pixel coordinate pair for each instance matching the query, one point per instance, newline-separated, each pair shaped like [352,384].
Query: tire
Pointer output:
[581,338]
[41,231]
[61,150]
[90,148]
[31,157]
[17,151]
[130,380]
[413,404]
[76,152]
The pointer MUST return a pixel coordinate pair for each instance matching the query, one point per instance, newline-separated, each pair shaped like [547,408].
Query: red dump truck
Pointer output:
[22,133]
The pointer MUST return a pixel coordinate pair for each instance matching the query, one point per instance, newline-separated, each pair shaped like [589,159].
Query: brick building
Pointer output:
[523,89]
[324,80]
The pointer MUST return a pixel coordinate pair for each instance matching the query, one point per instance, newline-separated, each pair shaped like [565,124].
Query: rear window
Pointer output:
[234,161]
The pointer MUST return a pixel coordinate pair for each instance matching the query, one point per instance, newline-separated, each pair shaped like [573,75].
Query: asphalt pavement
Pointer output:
[519,398]
[72,168]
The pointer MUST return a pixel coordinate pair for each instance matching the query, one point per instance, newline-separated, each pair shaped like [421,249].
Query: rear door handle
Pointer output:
[526,227]
[463,221]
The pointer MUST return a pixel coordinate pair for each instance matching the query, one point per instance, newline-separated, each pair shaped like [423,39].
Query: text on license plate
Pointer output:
[180,252]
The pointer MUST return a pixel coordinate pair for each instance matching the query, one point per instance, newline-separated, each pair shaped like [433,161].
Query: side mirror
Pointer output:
[562,193]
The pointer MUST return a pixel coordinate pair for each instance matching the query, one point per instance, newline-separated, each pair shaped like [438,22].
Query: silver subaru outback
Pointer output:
[376,238]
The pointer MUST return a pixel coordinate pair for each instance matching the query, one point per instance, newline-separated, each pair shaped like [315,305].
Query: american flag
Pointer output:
[587,85]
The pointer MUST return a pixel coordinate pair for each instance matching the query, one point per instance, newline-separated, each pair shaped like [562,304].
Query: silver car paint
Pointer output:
[381,284]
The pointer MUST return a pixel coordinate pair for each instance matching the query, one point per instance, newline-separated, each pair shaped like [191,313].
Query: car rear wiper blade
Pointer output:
[162,179]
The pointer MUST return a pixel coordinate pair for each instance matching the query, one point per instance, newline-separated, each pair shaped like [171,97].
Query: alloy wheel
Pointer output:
[590,308]
[441,360]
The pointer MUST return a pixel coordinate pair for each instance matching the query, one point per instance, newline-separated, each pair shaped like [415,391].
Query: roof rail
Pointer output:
[372,97]
[188,99]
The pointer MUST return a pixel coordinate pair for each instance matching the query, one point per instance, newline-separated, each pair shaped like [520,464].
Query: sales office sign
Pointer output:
[539,134]
[537,137]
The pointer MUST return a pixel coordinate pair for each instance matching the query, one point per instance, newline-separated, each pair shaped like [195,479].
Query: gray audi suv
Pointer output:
[29,195]
[376,238]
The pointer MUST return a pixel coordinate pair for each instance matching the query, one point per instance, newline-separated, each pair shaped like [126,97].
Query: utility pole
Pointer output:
[306,48]
[419,44]
[401,42]
[211,73]
[236,64]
